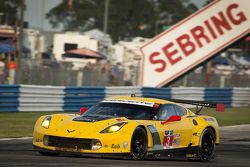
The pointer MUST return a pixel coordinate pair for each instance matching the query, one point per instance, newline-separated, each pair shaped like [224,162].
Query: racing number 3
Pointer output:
[168,141]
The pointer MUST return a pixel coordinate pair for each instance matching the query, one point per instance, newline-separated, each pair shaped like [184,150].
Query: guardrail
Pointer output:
[15,98]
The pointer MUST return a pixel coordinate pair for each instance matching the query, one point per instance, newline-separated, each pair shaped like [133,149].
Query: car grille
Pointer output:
[64,142]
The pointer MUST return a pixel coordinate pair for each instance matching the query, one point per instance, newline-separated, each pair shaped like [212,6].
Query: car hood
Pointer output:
[92,118]
[81,126]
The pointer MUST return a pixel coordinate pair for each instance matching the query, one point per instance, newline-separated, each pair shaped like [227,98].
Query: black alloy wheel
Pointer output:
[207,145]
[139,144]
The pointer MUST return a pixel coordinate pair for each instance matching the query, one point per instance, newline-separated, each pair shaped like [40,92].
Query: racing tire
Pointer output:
[48,153]
[207,145]
[138,144]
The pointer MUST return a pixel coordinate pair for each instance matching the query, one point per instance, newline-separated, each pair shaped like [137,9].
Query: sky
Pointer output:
[37,9]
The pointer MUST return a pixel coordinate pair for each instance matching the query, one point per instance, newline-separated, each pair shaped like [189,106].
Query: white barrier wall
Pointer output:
[15,98]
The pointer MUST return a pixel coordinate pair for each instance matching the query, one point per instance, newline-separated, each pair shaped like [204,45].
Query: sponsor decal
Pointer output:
[171,140]
[115,146]
[156,105]
[125,144]
[168,141]
[176,142]
[209,119]
[169,132]
[177,135]
[135,102]
[39,140]
[120,119]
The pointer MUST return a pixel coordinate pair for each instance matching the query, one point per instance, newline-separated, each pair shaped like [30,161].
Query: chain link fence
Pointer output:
[213,80]
[59,74]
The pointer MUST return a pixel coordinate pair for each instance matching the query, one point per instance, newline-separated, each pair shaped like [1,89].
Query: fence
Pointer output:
[58,74]
[14,98]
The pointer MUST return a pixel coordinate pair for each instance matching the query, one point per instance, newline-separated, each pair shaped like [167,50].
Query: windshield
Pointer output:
[130,111]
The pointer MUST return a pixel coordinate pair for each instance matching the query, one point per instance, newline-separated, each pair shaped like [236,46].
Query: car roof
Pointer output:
[144,99]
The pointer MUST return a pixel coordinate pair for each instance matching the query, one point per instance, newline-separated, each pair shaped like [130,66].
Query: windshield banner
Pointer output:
[135,102]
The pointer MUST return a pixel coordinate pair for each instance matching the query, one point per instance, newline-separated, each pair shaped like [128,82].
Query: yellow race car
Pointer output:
[133,127]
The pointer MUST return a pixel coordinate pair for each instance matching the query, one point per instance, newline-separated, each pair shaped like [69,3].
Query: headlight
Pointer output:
[46,122]
[113,128]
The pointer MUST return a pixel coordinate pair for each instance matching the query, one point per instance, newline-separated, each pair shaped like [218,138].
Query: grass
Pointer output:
[18,124]
[231,116]
[22,123]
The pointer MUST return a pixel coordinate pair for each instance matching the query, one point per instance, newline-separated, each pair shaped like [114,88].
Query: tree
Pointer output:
[127,18]
[171,12]
[9,10]
[132,18]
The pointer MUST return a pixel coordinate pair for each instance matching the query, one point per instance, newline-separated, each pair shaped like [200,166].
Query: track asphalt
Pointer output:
[234,151]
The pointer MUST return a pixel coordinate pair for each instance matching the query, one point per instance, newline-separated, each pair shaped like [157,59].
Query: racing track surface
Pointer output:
[233,151]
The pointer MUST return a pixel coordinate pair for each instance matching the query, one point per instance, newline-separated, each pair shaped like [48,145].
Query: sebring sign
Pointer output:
[193,40]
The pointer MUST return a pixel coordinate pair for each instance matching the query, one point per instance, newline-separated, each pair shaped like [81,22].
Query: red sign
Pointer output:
[194,40]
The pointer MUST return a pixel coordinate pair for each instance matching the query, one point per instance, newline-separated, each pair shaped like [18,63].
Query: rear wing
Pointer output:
[220,107]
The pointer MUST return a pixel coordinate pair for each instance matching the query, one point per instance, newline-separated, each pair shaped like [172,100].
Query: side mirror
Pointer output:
[172,119]
[83,110]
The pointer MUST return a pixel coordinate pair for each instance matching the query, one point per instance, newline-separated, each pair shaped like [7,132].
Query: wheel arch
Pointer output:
[198,134]
[142,126]
[141,155]
[149,136]
[205,154]
[216,133]
[212,128]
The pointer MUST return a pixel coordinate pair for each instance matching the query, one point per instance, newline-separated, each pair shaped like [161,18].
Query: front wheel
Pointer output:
[207,145]
[139,144]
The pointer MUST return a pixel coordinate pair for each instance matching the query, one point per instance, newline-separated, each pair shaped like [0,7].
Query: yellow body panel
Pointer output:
[172,135]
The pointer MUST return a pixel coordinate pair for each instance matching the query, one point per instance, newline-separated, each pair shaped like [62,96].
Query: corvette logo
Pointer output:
[69,131]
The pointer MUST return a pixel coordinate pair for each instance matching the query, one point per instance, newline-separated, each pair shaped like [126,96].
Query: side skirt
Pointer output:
[178,153]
